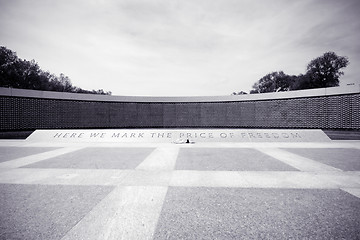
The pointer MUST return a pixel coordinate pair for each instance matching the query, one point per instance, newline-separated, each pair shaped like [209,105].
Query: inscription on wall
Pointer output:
[174,135]
[171,135]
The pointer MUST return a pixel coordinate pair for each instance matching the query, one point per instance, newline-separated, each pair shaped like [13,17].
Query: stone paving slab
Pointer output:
[238,213]
[19,162]
[97,158]
[265,179]
[44,211]
[230,159]
[128,177]
[342,158]
[150,198]
[297,161]
[11,152]
[129,212]
[332,144]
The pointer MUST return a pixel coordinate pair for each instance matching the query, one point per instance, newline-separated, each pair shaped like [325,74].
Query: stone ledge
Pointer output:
[229,98]
[178,135]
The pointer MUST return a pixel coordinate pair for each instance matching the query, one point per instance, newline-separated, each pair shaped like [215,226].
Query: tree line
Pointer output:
[321,72]
[18,73]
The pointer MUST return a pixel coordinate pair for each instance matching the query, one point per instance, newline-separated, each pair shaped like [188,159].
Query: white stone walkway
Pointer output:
[132,209]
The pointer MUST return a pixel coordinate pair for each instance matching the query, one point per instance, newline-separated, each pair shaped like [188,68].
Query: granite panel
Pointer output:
[347,159]
[10,153]
[228,159]
[237,213]
[97,158]
[45,212]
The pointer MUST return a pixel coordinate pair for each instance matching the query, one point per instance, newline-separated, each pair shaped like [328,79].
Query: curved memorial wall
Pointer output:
[329,108]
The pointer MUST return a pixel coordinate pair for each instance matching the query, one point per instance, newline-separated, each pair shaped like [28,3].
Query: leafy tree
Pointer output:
[8,72]
[325,71]
[18,73]
[302,82]
[65,82]
[273,82]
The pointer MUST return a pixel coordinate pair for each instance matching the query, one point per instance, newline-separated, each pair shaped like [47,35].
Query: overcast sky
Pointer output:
[179,47]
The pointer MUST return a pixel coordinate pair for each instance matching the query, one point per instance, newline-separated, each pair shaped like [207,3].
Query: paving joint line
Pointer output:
[297,161]
[23,161]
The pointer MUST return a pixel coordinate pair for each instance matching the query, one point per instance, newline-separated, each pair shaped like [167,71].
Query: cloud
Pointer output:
[174,47]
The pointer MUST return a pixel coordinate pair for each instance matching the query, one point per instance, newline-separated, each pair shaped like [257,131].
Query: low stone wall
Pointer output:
[320,108]
[179,136]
